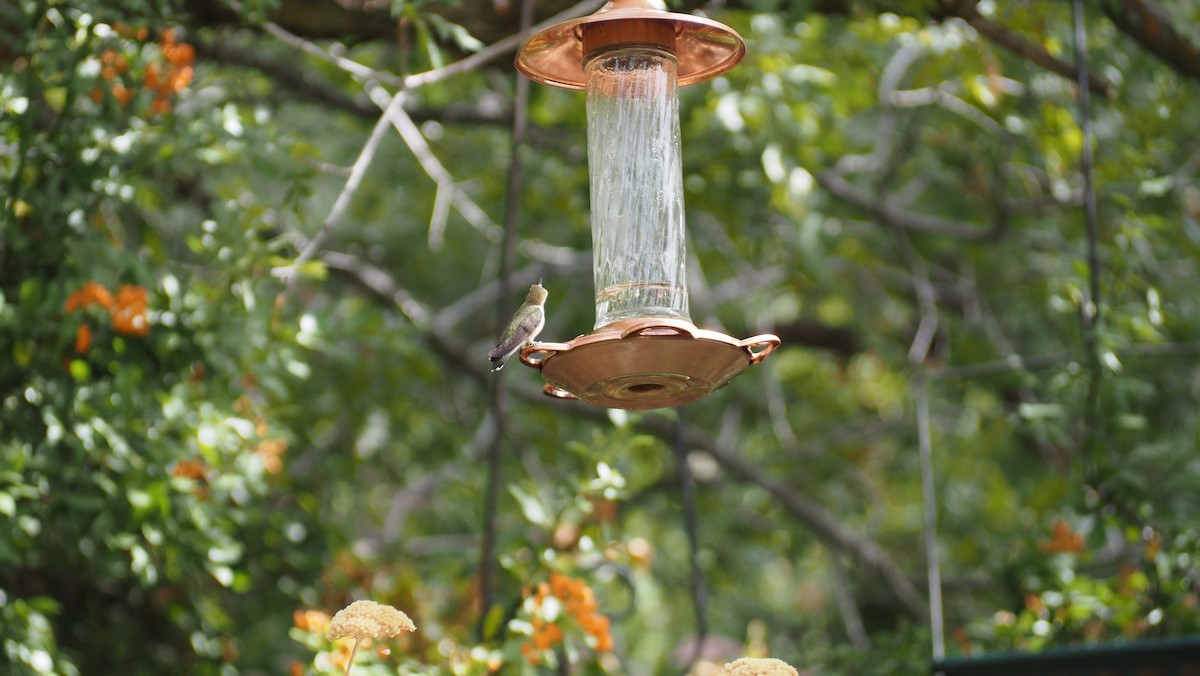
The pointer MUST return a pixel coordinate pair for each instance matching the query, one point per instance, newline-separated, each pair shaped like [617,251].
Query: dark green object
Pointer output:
[1176,657]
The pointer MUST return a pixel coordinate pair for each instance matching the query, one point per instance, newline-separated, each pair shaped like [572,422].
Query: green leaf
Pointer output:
[223,574]
[1156,187]
[493,621]
[56,98]
[225,554]
[140,500]
[531,506]
[30,293]
[460,36]
[22,353]
[314,270]
[1039,411]
[80,371]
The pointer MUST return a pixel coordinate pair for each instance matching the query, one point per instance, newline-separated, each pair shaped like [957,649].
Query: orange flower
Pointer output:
[139,33]
[604,511]
[180,54]
[244,405]
[90,293]
[271,451]
[963,639]
[179,79]
[190,469]
[122,94]
[83,339]
[1153,545]
[311,620]
[640,553]
[547,636]
[153,76]
[129,311]
[160,105]
[1062,540]
[340,655]
[530,654]
[580,603]
[604,643]
[560,585]
[1125,579]
[599,627]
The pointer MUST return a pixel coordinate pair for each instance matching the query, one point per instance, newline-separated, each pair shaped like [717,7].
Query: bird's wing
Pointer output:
[507,346]
[522,333]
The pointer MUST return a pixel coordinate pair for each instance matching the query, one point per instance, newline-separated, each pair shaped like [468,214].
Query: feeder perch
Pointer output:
[644,351]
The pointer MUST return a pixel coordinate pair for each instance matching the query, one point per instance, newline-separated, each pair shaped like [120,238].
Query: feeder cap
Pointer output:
[644,363]
[703,48]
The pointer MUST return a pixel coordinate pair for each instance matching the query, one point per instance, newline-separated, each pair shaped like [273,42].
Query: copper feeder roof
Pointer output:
[644,363]
[703,48]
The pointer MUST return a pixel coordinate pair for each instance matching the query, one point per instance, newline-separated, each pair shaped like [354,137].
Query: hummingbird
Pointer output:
[523,328]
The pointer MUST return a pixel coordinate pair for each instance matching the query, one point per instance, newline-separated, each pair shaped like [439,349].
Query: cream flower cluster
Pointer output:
[750,666]
[368,619]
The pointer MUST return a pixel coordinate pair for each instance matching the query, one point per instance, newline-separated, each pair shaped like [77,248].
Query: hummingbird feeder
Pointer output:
[644,351]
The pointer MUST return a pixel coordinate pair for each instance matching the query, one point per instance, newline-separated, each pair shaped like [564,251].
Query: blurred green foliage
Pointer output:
[205,451]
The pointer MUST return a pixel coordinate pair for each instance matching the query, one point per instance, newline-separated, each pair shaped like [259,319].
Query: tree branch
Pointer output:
[885,159]
[1026,49]
[365,156]
[304,83]
[416,142]
[888,213]
[487,21]
[940,96]
[1148,23]
[847,608]
[500,47]
[365,73]
[307,85]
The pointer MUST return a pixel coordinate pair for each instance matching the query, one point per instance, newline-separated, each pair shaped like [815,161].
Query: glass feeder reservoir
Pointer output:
[644,351]
[637,186]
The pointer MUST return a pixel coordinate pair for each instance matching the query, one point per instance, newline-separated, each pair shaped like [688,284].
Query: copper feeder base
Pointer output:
[644,363]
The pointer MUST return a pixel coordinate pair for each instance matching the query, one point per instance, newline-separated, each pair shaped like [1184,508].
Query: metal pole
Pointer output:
[929,500]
